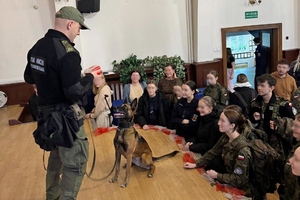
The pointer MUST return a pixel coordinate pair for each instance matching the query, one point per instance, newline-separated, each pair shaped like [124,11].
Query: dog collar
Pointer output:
[125,125]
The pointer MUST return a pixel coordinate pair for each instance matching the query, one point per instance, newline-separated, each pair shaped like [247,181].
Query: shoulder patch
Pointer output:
[67,46]
[194,118]
[238,171]
[294,110]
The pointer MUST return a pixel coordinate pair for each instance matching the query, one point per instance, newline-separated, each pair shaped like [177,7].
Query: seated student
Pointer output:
[101,111]
[295,163]
[265,111]
[153,107]
[295,168]
[292,187]
[243,94]
[184,116]
[295,70]
[236,163]
[135,88]
[208,131]
[285,84]
[168,81]
[33,104]
[177,93]
[216,91]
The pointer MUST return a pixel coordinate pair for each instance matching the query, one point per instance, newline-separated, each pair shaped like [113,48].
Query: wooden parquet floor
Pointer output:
[22,176]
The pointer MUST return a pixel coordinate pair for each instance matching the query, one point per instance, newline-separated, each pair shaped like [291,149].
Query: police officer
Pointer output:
[260,58]
[215,90]
[265,110]
[54,66]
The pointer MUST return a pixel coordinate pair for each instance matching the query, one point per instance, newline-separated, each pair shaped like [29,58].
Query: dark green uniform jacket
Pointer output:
[237,162]
[218,93]
[277,109]
[292,189]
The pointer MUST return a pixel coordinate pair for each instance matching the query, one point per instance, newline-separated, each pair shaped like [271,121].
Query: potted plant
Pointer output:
[126,66]
[159,62]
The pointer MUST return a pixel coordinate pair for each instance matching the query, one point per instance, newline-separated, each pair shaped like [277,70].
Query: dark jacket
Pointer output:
[53,64]
[184,110]
[142,114]
[276,108]
[261,60]
[33,106]
[208,132]
[247,93]
[295,73]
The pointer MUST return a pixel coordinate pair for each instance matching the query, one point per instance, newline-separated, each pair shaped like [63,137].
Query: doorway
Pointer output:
[271,35]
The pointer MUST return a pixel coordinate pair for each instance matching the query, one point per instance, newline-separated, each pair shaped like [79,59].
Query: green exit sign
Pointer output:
[251,14]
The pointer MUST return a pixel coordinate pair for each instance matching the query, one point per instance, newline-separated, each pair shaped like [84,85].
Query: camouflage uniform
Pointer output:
[218,93]
[292,189]
[278,110]
[295,99]
[237,163]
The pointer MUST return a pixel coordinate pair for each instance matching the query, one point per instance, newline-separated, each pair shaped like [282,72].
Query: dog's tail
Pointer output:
[169,155]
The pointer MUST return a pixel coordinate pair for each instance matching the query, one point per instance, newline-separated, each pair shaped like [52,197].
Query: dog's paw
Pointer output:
[124,185]
[150,175]
[113,180]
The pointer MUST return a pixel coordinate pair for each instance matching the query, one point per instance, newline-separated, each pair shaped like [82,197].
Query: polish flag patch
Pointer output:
[240,157]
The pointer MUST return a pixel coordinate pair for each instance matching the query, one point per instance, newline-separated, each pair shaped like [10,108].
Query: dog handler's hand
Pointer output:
[145,127]
[188,165]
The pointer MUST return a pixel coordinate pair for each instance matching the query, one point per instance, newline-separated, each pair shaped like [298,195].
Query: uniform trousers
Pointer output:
[71,164]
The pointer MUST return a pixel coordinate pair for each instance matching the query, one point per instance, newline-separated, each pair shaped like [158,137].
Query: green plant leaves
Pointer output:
[125,67]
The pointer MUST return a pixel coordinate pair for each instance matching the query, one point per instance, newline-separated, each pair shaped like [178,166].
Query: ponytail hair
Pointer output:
[236,118]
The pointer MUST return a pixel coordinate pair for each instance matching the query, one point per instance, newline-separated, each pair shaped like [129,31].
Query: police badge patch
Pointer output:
[238,171]
[194,118]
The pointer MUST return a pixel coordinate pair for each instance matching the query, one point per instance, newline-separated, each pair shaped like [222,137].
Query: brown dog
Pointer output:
[129,143]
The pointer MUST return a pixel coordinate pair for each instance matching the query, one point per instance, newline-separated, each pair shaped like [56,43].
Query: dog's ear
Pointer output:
[125,101]
[134,105]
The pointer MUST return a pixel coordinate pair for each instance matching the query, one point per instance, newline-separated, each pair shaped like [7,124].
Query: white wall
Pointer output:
[216,14]
[21,26]
[297,25]
[142,27]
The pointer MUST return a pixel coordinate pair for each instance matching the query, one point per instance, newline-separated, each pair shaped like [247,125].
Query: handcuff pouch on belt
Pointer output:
[57,126]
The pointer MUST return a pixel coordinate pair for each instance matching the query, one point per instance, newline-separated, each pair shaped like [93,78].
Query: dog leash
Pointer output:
[44,161]
[94,160]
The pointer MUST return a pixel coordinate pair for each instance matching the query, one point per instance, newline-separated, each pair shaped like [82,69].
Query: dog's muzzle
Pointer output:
[119,115]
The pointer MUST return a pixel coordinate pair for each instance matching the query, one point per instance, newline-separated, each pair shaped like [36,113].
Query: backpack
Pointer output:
[263,164]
